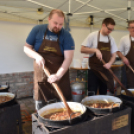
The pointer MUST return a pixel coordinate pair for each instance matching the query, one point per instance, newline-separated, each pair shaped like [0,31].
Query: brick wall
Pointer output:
[20,84]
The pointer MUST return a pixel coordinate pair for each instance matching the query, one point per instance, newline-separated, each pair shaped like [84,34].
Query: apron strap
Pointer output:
[99,37]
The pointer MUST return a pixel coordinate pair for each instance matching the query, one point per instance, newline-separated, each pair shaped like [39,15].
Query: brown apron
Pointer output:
[129,73]
[51,52]
[97,66]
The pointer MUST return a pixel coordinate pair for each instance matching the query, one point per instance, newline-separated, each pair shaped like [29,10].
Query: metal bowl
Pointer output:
[106,98]
[4,88]
[124,96]
[74,106]
[11,95]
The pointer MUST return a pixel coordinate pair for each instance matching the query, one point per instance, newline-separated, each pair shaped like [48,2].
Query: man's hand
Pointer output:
[98,54]
[40,60]
[107,65]
[53,78]
[125,60]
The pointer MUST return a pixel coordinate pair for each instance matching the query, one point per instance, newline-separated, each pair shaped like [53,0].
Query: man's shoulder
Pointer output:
[125,37]
[64,32]
[93,34]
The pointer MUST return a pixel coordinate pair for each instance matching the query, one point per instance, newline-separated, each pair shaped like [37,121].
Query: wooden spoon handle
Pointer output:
[58,90]
[130,68]
[127,91]
[54,85]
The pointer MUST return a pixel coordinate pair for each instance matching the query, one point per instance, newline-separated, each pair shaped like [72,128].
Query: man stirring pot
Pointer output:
[99,45]
[51,45]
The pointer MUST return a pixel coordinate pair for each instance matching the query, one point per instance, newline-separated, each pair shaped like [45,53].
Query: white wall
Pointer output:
[12,40]
[79,34]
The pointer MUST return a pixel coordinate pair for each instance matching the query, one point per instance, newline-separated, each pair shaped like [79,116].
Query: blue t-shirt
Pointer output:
[36,36]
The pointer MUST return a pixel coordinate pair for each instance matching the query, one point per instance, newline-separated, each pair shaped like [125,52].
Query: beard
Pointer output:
[55,30]
[106,33]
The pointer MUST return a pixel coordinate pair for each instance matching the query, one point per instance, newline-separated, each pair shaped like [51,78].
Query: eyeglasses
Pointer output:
[109,28]
[130,27]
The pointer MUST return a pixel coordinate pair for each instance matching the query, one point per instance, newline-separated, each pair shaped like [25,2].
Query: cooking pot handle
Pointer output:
[113,104]
[7,83]
[71,116]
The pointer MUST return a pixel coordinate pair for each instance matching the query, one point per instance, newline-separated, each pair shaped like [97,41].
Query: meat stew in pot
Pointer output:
[101,104]
[60,114]
[4,98]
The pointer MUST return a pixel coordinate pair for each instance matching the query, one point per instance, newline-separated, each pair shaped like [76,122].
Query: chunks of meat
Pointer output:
[4,99]
[101,104]
[61,115]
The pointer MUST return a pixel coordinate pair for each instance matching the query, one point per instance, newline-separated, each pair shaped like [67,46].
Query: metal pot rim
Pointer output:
[5,86]
[62,106]
[7,94]
[130,89]
[99,97]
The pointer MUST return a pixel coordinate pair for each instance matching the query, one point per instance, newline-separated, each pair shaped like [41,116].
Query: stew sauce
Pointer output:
[4,99]
[101,104]
[2,88]
[61,115]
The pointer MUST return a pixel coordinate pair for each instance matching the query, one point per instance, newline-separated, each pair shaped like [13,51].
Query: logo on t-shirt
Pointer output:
[51,37]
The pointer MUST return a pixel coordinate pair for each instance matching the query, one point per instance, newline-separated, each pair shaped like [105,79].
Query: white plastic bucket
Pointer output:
[84,65]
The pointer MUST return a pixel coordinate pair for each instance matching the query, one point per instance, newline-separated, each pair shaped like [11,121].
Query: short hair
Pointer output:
[130,22]
[107,21]
[56,11]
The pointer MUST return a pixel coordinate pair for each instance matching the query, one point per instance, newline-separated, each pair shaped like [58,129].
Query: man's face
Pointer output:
[55,23]
[107,29]
[131,29]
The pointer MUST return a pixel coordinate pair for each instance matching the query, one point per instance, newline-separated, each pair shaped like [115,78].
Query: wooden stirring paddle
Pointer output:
[128,93]
[131,68]
[58,91]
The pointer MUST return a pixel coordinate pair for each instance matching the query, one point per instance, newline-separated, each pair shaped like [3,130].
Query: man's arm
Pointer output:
[124,59]
[88,50]
[108,65]
[68,56]
[28,49]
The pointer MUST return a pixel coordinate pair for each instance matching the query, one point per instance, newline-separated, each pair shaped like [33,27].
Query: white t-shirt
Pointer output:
[125,44]
[92,41]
